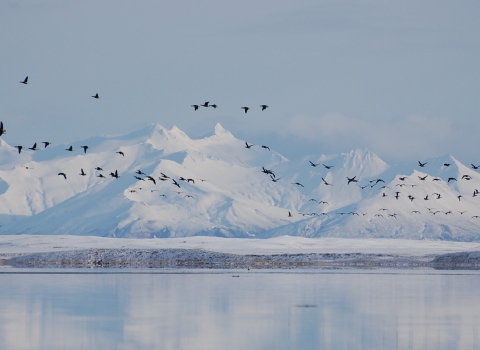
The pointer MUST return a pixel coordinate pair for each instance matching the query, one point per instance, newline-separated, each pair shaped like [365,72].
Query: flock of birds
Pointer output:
[383,212]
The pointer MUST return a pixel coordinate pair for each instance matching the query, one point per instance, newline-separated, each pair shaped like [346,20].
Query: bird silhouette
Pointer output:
[46,143]
[245,108]
[98,168]
[188,196]
[205,104]
[323,202]
[266,147]
[138,178]
[274,179]
[2,130]
[248,146]
[459,196]
[96,96]
[82,172]
[69,149]
[176,183]
[152,179]
[328,166]
[402,178]
[421,165]
[139,172]
[475,166]
[264,107]
[115,174]
[423,178]
[195,107]
[313,164]
[451,179]
[63,174]
[165,176]
[437,179]
[19,149]
[289,214]
[466,177]
[214,106]
[351,180]
[121,153]
[325,182]
[101,175]
[25,81]
[84,148]
[34,147]
[191,180]
[297,183]
[446,164]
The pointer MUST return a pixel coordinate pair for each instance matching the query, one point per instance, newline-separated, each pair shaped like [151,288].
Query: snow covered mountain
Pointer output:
[225,193]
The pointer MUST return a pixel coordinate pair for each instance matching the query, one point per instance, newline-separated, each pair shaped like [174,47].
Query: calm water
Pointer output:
[318,310]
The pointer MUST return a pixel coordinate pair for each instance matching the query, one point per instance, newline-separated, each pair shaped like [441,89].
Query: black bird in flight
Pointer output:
[84,148]
[205,104]
[313,164]
[82,172]
[452,179]
[323,202]
[165,176]
[96,96]
[46,143]
[121,153]
[264,107]
[34,147]
[274,179]
[162,179]
[195,107]
[325,182]
[115,174]
[351,180]
[214,106]
[423,178]
[138,178]
[152,179]
[437,179]
[289,214]
[139,172]
[245,108]
[247,145]
[176,183]
[266,147]
[426,198]
[19,149]
[188,196]
[421,165]
[101,175]
[98,168]
[69,149]
[25,81]
[402,178]
[297,183]
[474,166]
[191,180]
[2,130]
[446,164]
[63,174]
[328,166]
[466,177]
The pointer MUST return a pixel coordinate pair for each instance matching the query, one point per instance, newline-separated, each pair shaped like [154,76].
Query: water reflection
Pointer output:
[254,311]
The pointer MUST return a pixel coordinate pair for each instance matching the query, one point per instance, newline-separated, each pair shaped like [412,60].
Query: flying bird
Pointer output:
[452,179]
[98,168]
[115,174]
[176,183]
[264,107]
[214,106]
[2,130]
[325,182]
[351,180]
[34,147]
[246,109]
[274,179]
[313,164]
[402,178]
[328,166]
[421,165]
[101,175]
[121,153]
[266,147]
[191,180]
[289,214]
[205,104]
[423,178]
[195,107]
[248,146]
[138,178]
[46,143]
[19,149]
[25,81]
[84,148]
[82,172]
[475,166]
[69,149]
[63,174]
[96,96]
[152,179]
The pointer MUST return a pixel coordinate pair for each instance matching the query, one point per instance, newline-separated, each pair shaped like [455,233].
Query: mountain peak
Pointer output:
[221,131]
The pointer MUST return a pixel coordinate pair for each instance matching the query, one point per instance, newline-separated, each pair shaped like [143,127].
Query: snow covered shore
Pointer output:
[214,252]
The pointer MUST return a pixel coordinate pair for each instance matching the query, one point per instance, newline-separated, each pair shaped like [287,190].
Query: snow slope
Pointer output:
[229,195]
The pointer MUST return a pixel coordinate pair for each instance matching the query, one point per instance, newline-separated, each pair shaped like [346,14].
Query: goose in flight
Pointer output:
[289,214]
[188,196]
[101,175]
[151,179]
[266,147]
[138,178]
[402,178]
[162,179]
[98,168]
[313,164]
[195,107]
[139,172]
[421,165]
[121,153]
[297,183]
[34,147]
[84,148]
[351,179]
[63,174]
[466,177]
[176,183]
[165,176]
[2,130]
[205,104]
[69,149]
[452,179]
[325,182]
[19,149]
[191,180]
[46,143]
[82,172]
[423,178]
[274,179]
[459,196]
[96,96]
[426,198]
[245,109]
[475,166]
[446,164]
[248,146]
[214,106]
[328,166]
[437,179]
[415,212]
[25,81]
[115,174]
[264,107]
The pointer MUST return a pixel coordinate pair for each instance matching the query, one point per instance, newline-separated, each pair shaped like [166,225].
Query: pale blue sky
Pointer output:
[400,78]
